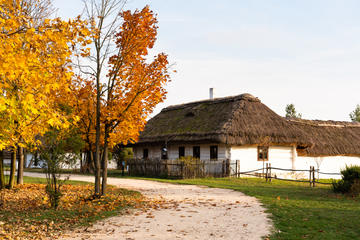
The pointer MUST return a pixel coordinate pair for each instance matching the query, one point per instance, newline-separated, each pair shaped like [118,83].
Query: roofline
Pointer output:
[244,96]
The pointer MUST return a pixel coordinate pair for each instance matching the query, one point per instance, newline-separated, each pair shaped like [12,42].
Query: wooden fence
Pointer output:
[268,175]
[220,168]
[178,168]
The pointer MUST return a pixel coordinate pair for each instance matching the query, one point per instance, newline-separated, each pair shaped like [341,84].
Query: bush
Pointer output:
[350,182]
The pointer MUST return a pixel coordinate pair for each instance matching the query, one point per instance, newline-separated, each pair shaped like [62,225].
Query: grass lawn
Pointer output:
[25,211]
[111,172]
[298,211]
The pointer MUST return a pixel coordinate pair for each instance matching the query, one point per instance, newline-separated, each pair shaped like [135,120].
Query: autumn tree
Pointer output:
[59,148]
[84,104]
[291,111]
[355,115]
[38,11]
[132,85]
[35,73]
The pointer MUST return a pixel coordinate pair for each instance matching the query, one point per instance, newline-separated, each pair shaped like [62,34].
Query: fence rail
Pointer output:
[267,174]
[220,168]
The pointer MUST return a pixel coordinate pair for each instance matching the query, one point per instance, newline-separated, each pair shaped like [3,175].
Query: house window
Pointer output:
[164,153]
[145,153]
[196,152]
[213,152]
[263,153]
[181,152]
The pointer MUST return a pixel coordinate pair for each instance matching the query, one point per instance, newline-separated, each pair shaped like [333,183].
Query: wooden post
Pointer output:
[313,176]
[228,168]
[310,175]
[267,170]
[237,168]
[223,168]
[182,169]
[270,178]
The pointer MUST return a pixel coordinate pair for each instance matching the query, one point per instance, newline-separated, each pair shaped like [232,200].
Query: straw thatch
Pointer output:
[329,138]
[244,120]
[238,120]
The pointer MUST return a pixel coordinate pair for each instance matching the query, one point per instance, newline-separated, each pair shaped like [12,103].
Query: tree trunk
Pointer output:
[20,173]
[2,176]
[12,168]
[97,127]
[88,166]
[105,160]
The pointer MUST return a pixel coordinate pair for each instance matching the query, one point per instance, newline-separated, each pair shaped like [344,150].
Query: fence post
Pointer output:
[270,178]
[228,171]
[182,169]
[313,176]
[310,175]
[223,169]
[266,174]
[237,168]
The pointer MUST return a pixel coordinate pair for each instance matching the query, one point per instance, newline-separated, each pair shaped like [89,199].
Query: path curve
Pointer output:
[198,213]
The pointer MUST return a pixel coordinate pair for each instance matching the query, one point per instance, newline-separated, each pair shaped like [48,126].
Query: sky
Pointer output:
[305,52]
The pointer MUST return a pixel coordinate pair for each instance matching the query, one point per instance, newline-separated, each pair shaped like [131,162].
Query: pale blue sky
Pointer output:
[305,52]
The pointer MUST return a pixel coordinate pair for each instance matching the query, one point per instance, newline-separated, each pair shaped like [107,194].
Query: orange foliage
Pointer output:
[135,82]
[34,72]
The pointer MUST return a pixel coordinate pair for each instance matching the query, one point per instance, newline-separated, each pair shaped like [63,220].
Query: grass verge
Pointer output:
[25,211]
[298,211]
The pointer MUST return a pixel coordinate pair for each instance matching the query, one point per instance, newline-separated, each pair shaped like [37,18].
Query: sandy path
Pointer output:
[196,213]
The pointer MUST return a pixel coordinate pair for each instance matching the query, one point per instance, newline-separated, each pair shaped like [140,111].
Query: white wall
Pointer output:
[327,164]
[279,156]
[173,151]
[282,157]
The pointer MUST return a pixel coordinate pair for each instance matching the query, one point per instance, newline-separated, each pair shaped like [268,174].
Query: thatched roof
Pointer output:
[244,120]
[237,120]
[329,138]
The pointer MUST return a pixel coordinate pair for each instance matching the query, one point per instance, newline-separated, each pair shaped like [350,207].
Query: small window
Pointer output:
[181,152]
[145,153]
[213,152]
[196,152]
[164,153]
[263,153]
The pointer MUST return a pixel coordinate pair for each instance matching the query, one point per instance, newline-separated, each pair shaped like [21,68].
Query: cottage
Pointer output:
[243,128]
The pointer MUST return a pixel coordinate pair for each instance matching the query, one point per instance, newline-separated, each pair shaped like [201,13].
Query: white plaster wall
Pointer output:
[279,156]
[173,151]
[247,157]
[327,164]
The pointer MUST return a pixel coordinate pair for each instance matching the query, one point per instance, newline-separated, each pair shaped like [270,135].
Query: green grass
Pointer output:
[43,181]
[298,211]
[111,172]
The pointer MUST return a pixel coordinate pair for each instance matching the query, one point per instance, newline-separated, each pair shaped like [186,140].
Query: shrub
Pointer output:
[350,182]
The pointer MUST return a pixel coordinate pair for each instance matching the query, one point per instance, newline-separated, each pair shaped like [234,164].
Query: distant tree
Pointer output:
[291,111]
[355,115]
[121,155]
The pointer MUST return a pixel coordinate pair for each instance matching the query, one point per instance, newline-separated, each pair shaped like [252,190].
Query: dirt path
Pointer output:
[196,213]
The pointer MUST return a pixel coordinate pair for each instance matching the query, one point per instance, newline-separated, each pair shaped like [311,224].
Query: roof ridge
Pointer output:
[244,96]
[324,123]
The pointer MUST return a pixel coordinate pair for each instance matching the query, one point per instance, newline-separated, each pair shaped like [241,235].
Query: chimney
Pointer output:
[211,92]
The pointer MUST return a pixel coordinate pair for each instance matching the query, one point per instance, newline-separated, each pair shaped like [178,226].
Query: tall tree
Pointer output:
[84,105]
[134,83]
[355,115]
[38,11]
[291,111]
[34,73]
